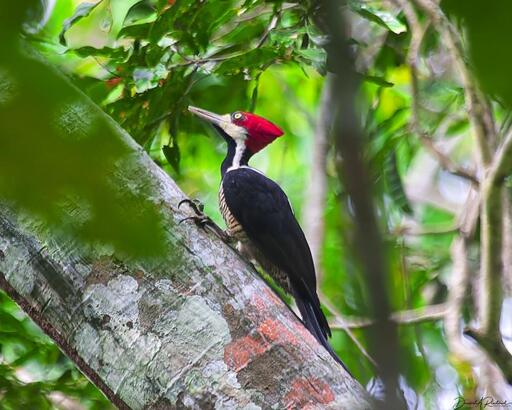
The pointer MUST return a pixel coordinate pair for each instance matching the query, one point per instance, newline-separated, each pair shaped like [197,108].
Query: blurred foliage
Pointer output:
[50,164]
[144,61]
[34,374]
[488,34]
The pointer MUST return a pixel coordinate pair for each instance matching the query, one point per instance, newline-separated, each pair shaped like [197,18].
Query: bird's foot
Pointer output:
[196,205]
[202,220]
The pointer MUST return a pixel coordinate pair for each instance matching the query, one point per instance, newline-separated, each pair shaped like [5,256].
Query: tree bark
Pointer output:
[196,328]
[314,209]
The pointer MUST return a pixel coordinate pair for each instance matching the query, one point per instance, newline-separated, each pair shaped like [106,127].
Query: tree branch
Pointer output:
[195,327]
[458,293]
[314,209]
[341,323]
[271,26]
[493,271]
[404,317]
[411,230]
[480,114]
[495,349]
[492,211]
[417,33]
[383,338]
[502,163]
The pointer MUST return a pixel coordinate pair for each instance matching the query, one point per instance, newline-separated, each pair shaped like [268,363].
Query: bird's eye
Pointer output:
[237,116]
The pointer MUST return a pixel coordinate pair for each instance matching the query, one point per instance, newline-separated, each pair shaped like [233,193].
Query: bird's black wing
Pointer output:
[263,210]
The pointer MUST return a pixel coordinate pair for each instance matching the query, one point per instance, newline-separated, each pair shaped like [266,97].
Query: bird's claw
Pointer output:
[198,207]
[206,223]
[202,220]
[195,204]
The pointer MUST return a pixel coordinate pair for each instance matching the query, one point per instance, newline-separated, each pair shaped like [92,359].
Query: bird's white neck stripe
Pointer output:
[239,152]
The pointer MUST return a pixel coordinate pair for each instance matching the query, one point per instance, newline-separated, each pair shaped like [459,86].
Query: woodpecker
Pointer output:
[259,216]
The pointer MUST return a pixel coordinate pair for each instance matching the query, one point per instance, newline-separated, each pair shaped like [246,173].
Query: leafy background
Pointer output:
[144,62]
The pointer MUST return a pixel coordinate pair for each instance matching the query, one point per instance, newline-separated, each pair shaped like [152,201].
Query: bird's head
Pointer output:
[243,127]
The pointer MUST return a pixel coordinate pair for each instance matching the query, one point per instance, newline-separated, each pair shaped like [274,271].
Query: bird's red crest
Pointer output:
[260,132]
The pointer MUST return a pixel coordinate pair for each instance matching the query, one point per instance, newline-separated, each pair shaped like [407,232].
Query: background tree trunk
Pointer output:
[196,328]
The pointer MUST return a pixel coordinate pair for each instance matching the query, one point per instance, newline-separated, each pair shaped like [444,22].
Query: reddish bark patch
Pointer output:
[273,297]
[264,303]
[306,393]
[259,303]
[268,300]
[239,353]
[304,334]
[276,332]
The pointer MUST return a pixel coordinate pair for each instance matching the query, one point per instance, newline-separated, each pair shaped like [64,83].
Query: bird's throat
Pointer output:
[240,148]
[237,155]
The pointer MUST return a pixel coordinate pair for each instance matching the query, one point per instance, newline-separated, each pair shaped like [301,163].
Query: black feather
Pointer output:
[263,210]
[309,317]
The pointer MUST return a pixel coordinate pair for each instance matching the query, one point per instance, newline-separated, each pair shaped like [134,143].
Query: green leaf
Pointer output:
[457,127]
[254,96]
[166,22]
[395,184]
[138,31]
[119,10]
[252,59]
[488,32]
[315,57]
[382,18]
[83,10]
[172,154]
[381,81]
[210,17]
[116,53]
[140,13]
[243,34]
[147,78]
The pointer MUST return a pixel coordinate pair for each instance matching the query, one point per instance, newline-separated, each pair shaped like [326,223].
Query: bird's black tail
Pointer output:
[316,322]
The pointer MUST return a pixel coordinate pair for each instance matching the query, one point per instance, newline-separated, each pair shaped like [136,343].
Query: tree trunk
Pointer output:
[196,328]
